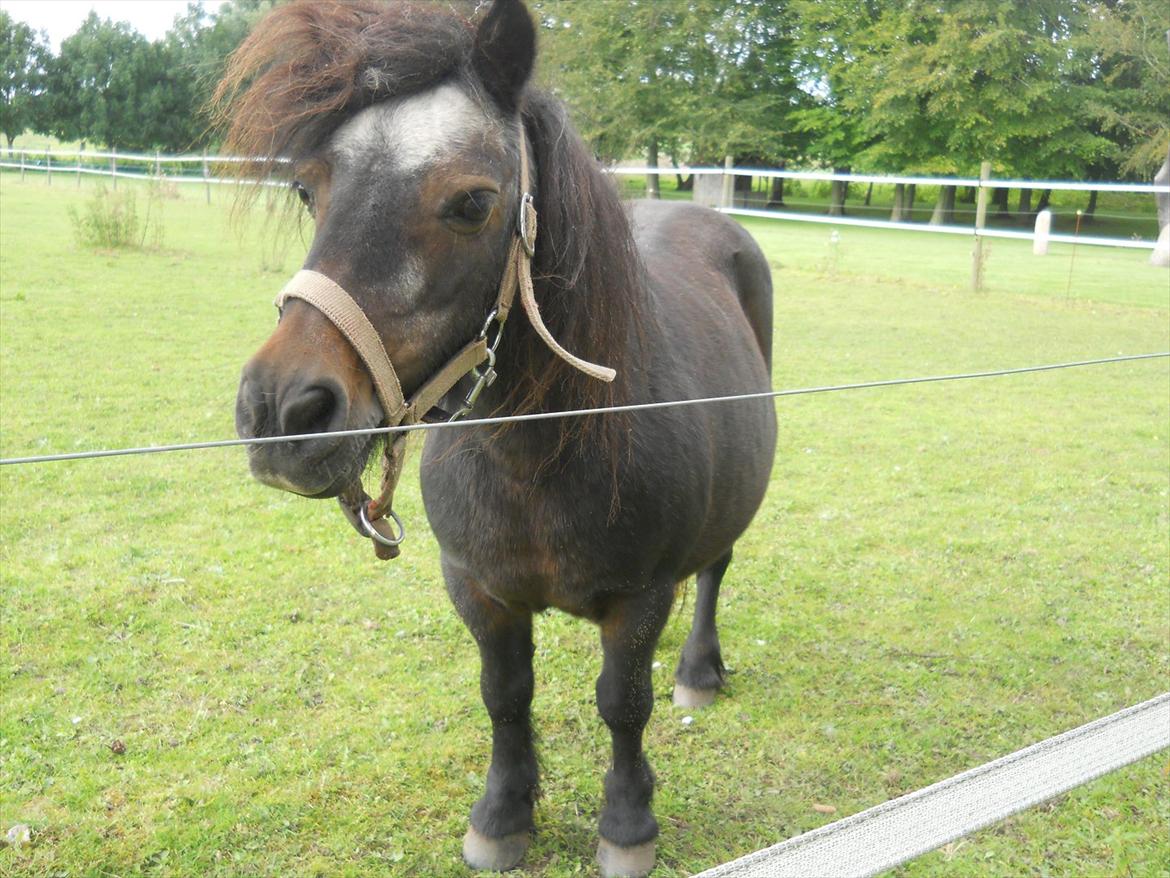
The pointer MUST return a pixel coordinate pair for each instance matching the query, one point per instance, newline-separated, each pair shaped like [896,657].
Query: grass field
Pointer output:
[939,575]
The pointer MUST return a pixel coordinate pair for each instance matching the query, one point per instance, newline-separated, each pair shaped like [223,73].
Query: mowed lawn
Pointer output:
[940,575]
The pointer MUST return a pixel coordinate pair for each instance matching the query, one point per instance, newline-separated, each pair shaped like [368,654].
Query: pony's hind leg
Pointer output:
[501,821]
[625,698]
[700,667]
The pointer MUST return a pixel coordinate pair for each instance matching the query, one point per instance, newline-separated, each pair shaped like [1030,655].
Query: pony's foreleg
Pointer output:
[700,667]
[502,819]
[629,633]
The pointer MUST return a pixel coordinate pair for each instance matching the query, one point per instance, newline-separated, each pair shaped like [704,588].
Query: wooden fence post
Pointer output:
[727,199]
[206,177]
[980,222]
[157,166]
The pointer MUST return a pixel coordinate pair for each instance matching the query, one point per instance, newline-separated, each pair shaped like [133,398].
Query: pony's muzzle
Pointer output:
[302,406]
[269,404]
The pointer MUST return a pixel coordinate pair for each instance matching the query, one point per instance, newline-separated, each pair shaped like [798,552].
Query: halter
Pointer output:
[477,357]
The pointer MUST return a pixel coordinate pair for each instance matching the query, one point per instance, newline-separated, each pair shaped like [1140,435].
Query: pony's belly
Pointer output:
[542,545]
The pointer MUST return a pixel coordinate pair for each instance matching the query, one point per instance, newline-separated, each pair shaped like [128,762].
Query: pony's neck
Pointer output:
[588,284]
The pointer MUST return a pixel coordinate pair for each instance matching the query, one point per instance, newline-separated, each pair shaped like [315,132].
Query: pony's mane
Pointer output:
[586,275]
[310,65]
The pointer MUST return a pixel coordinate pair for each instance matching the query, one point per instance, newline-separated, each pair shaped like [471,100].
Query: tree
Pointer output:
[23,53]
[830,35]
[193,55]
[697,79]
[98,83]
[938,88]
[1126,41]
[109,84]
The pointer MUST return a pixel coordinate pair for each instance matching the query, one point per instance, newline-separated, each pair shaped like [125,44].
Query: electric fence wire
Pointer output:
[573,413]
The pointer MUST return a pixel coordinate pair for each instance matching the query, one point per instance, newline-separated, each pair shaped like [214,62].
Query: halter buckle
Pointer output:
[484,377]
[526,224]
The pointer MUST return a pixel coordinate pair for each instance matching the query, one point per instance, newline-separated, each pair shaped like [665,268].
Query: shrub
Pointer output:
[111,220]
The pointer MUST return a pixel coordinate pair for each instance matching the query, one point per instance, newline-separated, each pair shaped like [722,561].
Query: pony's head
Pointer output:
[399,129]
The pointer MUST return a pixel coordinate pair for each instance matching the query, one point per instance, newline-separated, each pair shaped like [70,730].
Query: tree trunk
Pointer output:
[968,195]
[911,191]
[652,162]
[999,200]
[1092,206]
[1024,210]
[868,194]
[896,215]
[776,198]
[838,192]
[685,184]
[10,138]
[944,207]
[1042,204]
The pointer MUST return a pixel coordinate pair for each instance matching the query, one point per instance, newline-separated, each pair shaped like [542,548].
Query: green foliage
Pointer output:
[1127,45]
[939,575]
[98,83]
[828,43]
[110,218]
[703,78]
[939,88]
[110,85]
[23,54]
[195,50]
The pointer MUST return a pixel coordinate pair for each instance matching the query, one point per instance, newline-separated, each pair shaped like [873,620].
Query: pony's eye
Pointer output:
[303,194]
[469,211]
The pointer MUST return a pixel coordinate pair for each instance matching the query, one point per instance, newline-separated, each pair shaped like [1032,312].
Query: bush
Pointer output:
[110,220]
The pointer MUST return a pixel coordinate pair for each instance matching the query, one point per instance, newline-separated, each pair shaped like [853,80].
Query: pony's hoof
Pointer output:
[619,862]
[685,696]
[496,854]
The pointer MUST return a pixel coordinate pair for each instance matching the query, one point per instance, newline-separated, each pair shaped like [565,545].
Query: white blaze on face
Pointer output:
[415,131]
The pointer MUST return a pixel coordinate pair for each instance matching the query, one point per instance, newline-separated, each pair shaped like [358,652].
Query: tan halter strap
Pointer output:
[344,313]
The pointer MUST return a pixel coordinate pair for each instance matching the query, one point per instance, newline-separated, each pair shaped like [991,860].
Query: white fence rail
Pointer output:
[901,829]
[74,162]
[892,179]
[1133,243]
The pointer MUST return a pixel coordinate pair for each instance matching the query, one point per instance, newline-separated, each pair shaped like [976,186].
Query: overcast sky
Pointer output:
[61,18]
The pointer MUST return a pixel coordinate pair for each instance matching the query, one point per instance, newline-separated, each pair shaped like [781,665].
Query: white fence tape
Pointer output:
[891,179]
[765,173]
[898,830]
[970,231]
[157,161]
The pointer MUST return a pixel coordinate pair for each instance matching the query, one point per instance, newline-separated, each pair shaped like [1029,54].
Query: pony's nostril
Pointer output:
[251,409]
[311,410]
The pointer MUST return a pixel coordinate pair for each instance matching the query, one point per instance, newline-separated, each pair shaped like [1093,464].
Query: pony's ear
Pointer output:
[505,48]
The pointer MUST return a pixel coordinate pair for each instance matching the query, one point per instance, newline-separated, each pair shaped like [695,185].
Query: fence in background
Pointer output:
[203,168]
[105,164]
[726,199]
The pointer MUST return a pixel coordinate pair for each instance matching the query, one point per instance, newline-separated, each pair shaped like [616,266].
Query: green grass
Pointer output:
[939,575]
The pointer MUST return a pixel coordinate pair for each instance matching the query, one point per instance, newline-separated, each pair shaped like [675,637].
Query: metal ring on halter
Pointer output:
[377,537]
